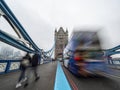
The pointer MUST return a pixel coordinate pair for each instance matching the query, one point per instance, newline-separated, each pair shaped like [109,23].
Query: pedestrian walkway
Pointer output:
[46,82]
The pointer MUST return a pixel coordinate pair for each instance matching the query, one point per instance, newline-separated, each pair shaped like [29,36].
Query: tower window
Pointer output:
[60,38]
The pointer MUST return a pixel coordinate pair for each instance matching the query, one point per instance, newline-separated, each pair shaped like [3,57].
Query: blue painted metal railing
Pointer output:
[9,66]
[114,63]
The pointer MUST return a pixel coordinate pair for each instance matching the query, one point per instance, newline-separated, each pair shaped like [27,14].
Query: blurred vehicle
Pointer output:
[83,54]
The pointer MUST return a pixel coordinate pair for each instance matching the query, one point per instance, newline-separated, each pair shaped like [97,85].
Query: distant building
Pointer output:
[61,40]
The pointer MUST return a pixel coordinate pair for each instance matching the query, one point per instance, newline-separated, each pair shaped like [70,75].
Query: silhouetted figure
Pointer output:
[34,65]
[24,64]
[34,62]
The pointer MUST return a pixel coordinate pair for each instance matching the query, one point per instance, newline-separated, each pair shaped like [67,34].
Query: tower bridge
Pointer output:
[53,76]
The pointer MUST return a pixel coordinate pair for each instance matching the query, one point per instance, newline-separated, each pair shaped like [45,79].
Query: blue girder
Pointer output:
[12,20]
[113,51]
[11,41]
[11,16]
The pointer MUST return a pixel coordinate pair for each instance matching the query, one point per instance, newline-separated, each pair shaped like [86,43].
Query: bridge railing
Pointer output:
[114,64]
[9,66]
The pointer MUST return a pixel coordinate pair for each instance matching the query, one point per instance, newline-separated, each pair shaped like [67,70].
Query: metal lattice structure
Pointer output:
[22,42]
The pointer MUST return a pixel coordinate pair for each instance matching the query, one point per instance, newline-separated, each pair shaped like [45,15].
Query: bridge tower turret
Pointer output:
[61,40]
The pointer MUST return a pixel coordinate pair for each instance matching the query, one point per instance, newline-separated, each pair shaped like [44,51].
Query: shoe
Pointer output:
[18,85]
[38,77]
[23,80]
[26,85]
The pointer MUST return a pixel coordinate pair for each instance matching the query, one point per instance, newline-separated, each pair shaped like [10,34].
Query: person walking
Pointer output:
[24,64]
[34,62]
[34,66]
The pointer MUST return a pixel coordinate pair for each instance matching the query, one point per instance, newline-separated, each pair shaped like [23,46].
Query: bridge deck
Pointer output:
[92,83]
[46,82]
[48,76]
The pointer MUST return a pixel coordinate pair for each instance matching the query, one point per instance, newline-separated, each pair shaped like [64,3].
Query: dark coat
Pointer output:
[35,60]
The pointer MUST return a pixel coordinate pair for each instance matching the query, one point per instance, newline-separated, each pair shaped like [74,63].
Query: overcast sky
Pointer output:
[41,17]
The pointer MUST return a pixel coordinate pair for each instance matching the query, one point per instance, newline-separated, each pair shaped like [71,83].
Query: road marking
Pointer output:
[61,82]
[71,81]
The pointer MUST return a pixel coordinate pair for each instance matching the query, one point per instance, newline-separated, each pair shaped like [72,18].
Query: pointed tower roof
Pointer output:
[55,30]
[61,30]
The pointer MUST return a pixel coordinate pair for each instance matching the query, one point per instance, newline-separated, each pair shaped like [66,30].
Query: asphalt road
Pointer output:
[93,83]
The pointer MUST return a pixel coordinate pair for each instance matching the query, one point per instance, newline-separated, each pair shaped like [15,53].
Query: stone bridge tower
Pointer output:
[61,40]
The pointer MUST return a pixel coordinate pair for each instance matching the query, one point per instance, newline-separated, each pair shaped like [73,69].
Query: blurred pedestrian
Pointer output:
[34,62]
[24,64]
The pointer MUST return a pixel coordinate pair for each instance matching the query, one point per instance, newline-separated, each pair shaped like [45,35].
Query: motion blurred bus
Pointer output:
[83,55]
